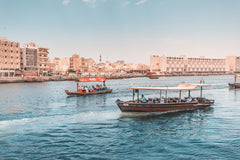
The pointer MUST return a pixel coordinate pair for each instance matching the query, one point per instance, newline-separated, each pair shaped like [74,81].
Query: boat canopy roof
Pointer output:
[180,87]
[197,85]
[98,79]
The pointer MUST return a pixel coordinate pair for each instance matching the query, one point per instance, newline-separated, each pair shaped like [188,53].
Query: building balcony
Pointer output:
[42,57]
[41,52]
[43,67]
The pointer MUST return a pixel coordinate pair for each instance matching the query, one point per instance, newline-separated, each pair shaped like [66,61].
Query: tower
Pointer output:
[100,58]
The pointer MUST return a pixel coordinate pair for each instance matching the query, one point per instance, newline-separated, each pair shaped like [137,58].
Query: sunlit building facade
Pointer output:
[182,64]
[43,61]
[81,64]
[234,64]
[29,58]
[9,57]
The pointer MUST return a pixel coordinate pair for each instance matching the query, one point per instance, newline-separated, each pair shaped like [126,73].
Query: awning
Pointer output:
[180,87]
[197,85]
[101,79]
[165,88]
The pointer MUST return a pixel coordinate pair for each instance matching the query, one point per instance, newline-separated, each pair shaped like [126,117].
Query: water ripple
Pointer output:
[51,125]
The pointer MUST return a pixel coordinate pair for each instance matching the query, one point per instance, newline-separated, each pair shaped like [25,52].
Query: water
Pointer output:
[38,121]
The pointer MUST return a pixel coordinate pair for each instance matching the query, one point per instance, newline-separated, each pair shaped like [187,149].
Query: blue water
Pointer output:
[38,121]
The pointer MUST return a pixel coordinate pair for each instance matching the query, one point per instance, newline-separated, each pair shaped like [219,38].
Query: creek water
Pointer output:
[39,121]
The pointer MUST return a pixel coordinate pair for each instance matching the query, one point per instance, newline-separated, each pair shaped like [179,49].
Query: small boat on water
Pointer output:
[154,77]
[235,85]
[165,104]
[82,91]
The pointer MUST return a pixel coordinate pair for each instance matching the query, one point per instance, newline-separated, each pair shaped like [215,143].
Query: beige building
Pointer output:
[81,64]
[29,58]
[60,65]
[182,64]
[234,64]
[9,57]
[120,66]
[43,61]
[34,59]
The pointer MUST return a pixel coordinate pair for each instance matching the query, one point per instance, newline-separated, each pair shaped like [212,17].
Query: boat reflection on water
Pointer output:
[88,100]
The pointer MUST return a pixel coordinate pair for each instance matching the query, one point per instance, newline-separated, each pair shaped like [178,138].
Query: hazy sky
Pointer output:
[130,30]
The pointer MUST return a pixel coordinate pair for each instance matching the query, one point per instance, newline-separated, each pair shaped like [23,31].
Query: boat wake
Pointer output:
[37,124]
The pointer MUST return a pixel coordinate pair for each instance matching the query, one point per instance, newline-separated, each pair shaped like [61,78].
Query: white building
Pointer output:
[182,64]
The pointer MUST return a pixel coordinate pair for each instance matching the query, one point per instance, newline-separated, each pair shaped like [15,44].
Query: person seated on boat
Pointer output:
[189,99]
[150,100]
[86,89]
[143,99]
[83,89]
[89,89]
[97,88]
[104,87]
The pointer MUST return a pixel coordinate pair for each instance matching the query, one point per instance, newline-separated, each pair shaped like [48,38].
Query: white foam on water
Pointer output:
[39,123]
[95,116]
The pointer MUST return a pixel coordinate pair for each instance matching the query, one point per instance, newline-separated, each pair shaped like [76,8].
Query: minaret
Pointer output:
[100,58]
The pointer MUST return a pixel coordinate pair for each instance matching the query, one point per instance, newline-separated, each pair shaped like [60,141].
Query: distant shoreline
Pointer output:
[27,79]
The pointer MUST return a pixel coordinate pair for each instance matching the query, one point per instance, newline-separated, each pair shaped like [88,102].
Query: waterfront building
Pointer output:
[184,65]
[60,65]
[34,59]
[9,57]
[80,64]
[234,64]
[29,58]
[120,66]
[43,60]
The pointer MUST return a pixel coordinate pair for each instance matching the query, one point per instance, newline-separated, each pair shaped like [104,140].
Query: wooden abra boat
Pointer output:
[99,89]
[235,85]
[165,104]
[152,75]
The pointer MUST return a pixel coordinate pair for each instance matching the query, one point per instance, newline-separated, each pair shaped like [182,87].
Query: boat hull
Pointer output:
[153,77]
[234,85]
[158,107]
[88,93]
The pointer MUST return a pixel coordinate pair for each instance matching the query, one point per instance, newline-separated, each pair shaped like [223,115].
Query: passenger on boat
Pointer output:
[104,86]
[83,89]
[189,99]
[143,99]
[86,89]
[97,87]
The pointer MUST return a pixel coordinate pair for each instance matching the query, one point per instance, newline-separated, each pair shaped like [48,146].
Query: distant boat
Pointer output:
[100,89]
[165,104]
[154,77]
[235,85]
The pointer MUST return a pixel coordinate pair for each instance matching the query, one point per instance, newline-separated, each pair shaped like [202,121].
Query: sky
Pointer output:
[129,30]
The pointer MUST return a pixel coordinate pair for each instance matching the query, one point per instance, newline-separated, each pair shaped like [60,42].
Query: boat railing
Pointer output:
[164,100]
